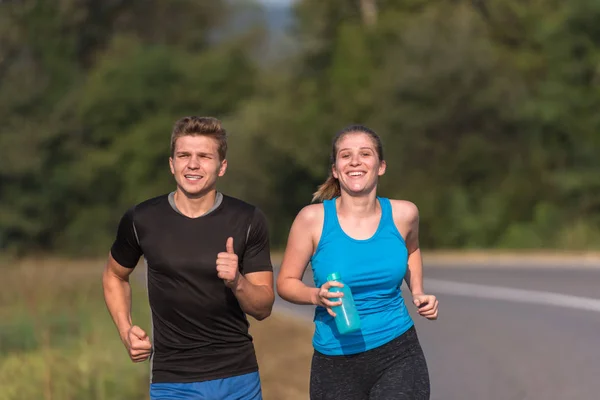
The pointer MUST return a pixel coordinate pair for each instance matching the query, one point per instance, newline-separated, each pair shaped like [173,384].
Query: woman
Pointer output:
[373,243]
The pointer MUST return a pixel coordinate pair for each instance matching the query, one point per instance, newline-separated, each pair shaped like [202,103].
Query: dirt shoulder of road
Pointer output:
[512,258]
[432,258]
[482,258]
[284,352]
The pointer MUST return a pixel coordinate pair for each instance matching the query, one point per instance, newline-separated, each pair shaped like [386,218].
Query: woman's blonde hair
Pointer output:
[331,187]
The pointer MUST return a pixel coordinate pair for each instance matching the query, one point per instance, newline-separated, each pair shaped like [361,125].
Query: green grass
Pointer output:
[57,340]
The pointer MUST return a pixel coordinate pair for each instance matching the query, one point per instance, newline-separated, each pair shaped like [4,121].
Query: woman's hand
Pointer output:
[427,305]
[323,296]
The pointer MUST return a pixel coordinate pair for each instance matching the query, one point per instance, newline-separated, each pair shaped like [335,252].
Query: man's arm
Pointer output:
[254,288]
[254,291]
[117,295]
[117,290]
[255,294]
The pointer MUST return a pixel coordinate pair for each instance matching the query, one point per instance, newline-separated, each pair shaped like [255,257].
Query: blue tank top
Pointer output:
[373,269]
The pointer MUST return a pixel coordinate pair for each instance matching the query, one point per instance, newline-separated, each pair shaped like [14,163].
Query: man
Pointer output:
[208,265]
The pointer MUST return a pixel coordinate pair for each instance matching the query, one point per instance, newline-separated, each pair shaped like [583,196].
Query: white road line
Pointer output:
[436,286]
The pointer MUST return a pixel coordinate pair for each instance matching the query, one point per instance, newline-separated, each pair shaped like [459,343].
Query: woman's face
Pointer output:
[357,165]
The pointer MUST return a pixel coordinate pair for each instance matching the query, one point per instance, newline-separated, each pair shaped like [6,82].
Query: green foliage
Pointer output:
[78,151]
[57,339]
[486,109]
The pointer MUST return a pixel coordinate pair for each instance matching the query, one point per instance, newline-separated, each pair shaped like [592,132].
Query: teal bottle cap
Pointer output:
[334,276]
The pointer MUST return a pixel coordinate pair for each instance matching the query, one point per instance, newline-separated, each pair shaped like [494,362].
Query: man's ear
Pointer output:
[223,167]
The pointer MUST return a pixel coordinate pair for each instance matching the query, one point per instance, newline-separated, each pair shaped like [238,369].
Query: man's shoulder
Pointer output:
[150,205]
[234,203]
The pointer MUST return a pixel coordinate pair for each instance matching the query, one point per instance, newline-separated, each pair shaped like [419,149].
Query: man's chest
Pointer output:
[186,247]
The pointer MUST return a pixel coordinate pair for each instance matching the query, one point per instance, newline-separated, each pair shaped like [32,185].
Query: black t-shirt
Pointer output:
[199,330]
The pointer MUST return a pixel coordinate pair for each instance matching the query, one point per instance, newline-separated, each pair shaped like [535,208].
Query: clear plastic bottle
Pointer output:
[347,319]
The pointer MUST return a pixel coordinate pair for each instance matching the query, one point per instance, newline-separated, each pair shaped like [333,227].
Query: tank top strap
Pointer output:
[387,217]
[330,217]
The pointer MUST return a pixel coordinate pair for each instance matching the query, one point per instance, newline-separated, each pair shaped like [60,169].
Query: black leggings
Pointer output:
[395,371]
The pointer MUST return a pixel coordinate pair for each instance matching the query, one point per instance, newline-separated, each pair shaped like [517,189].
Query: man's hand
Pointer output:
[227,265]
[427,305]
[138,344]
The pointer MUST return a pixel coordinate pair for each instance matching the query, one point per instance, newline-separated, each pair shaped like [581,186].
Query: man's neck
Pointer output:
[194,207]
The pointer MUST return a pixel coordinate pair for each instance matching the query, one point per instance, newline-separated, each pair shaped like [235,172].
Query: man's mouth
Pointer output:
[193,177]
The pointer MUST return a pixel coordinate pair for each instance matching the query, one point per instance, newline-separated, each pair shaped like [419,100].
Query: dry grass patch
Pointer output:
[284,351]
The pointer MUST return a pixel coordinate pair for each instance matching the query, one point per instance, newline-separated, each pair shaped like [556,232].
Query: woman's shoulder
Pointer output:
[311,213]
[404,209]
[309,221]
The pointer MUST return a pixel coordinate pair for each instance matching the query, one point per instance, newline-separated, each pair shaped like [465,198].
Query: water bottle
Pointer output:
[346,315]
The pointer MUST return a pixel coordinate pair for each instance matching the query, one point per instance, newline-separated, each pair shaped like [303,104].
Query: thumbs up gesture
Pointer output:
[227,265]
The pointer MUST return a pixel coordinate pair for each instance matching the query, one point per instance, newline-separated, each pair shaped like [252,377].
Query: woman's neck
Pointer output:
[358,206]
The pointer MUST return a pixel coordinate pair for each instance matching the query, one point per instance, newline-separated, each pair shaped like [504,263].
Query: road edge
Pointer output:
[500,259]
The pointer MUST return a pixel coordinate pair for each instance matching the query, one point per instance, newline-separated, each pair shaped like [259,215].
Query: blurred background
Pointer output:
[488,110]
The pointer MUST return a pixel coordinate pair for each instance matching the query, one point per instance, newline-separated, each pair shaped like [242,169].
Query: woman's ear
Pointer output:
[382,167]
[334,172]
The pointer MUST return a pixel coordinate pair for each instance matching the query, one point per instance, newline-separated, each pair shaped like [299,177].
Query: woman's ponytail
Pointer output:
[328,190]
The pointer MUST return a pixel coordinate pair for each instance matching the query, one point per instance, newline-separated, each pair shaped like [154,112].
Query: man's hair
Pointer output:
[205,126]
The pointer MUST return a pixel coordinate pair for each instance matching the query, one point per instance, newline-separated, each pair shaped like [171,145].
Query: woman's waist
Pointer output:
[372,304]
[375,330]
[372,314]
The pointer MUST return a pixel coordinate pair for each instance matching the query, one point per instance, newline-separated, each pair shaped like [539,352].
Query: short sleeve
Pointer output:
[126,249]
[257,256]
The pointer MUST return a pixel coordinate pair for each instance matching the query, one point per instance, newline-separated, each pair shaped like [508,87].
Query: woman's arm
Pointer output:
[406,217]
[298,251]
[300,247]
[414,274]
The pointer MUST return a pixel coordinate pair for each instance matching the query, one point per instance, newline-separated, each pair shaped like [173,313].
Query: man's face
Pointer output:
[196,165]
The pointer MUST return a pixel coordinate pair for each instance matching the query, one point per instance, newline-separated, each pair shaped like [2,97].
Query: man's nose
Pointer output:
[194,163]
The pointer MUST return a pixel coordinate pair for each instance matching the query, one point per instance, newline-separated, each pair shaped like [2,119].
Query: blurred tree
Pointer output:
[486,108]
[87,91]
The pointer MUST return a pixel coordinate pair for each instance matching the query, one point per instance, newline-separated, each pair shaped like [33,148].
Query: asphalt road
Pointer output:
[530,333]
